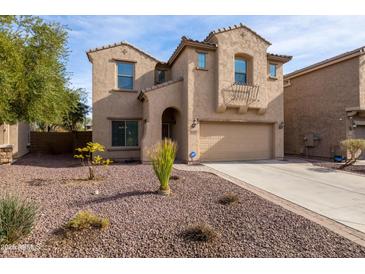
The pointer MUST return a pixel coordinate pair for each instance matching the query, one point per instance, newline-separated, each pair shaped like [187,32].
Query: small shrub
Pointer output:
[86,220]
[354,148]
[200,233]
[228,198]
[17,218]
[163,156]
[87,158]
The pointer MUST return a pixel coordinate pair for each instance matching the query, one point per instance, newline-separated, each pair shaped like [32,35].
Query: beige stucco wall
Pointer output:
[16,135]
[316,103]
[362,80]
[156,101]
[205,86]
[110,104]
[196,97]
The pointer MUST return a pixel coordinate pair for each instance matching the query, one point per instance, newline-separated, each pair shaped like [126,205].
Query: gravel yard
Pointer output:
[144,224]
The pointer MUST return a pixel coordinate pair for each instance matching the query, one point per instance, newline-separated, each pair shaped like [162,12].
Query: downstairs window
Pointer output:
[125,133]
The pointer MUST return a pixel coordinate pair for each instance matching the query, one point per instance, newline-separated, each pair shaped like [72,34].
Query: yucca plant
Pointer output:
[17,218]
[163,156]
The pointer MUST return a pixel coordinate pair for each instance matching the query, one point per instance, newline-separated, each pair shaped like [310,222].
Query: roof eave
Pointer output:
[121,44]
[187,43]
[279,58]
[326,63]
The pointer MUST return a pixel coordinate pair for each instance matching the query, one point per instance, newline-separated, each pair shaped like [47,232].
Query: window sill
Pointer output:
[124,90]
[272,78]
[123,148]
[202,69]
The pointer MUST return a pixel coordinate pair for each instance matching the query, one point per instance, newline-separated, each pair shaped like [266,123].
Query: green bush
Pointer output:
[86,220]
[17,218]
[354,148]
[163,156]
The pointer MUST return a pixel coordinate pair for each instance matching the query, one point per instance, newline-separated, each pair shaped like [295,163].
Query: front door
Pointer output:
[166,131]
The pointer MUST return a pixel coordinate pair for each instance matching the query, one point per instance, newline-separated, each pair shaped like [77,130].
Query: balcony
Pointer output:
[240,95]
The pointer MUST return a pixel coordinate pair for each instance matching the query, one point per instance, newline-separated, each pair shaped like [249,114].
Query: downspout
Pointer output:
[8,134]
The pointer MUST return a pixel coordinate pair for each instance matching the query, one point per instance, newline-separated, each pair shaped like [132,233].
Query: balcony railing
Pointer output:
[240,94]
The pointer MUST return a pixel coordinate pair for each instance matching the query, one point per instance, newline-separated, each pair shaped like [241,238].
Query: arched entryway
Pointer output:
[169,120]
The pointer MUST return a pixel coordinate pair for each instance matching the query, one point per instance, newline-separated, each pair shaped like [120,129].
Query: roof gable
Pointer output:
[123,43]
[235,27]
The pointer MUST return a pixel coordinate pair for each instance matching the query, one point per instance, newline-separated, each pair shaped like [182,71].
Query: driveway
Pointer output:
[334,194]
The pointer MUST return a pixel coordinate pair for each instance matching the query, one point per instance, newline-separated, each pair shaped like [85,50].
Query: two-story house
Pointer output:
[219,99]
[324,104]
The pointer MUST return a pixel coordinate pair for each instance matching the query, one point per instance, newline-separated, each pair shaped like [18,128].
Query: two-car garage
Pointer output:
[230,141]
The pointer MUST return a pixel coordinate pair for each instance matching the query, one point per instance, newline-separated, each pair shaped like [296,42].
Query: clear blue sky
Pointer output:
[307,38]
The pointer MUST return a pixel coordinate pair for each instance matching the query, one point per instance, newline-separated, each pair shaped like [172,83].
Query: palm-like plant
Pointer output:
[163,156]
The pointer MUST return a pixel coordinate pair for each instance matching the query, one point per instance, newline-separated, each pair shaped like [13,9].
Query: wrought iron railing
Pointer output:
[240,94]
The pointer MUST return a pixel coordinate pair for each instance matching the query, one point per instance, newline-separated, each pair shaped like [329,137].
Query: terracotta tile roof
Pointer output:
[284,58]
[162,85]
[123,43]
[326,62]
[188,41]
[142,91]
[212,33]
[184,38]
[185,41]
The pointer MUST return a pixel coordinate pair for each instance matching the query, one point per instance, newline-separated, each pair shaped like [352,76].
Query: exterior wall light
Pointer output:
[195,122]
[281,125]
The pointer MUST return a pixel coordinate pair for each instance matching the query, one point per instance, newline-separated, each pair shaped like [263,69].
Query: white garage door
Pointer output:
[235,141]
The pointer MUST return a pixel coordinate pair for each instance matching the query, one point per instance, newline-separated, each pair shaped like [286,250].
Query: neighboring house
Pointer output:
[221,98]
[324,104]
[17,136]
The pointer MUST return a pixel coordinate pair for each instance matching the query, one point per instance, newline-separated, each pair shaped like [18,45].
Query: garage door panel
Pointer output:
[235,141]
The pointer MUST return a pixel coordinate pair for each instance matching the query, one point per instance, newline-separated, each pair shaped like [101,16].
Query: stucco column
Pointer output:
[151,128]
[278,142]
[146,131]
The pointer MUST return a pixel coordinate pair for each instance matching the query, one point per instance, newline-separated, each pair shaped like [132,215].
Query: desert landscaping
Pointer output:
[235,222]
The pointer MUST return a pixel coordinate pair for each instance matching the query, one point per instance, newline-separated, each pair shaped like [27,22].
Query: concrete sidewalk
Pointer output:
[337,195]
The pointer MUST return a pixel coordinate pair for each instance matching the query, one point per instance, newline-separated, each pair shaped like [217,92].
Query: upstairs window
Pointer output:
[240,71]
[272,70]
[161,76]
[125,75]
[202,60]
